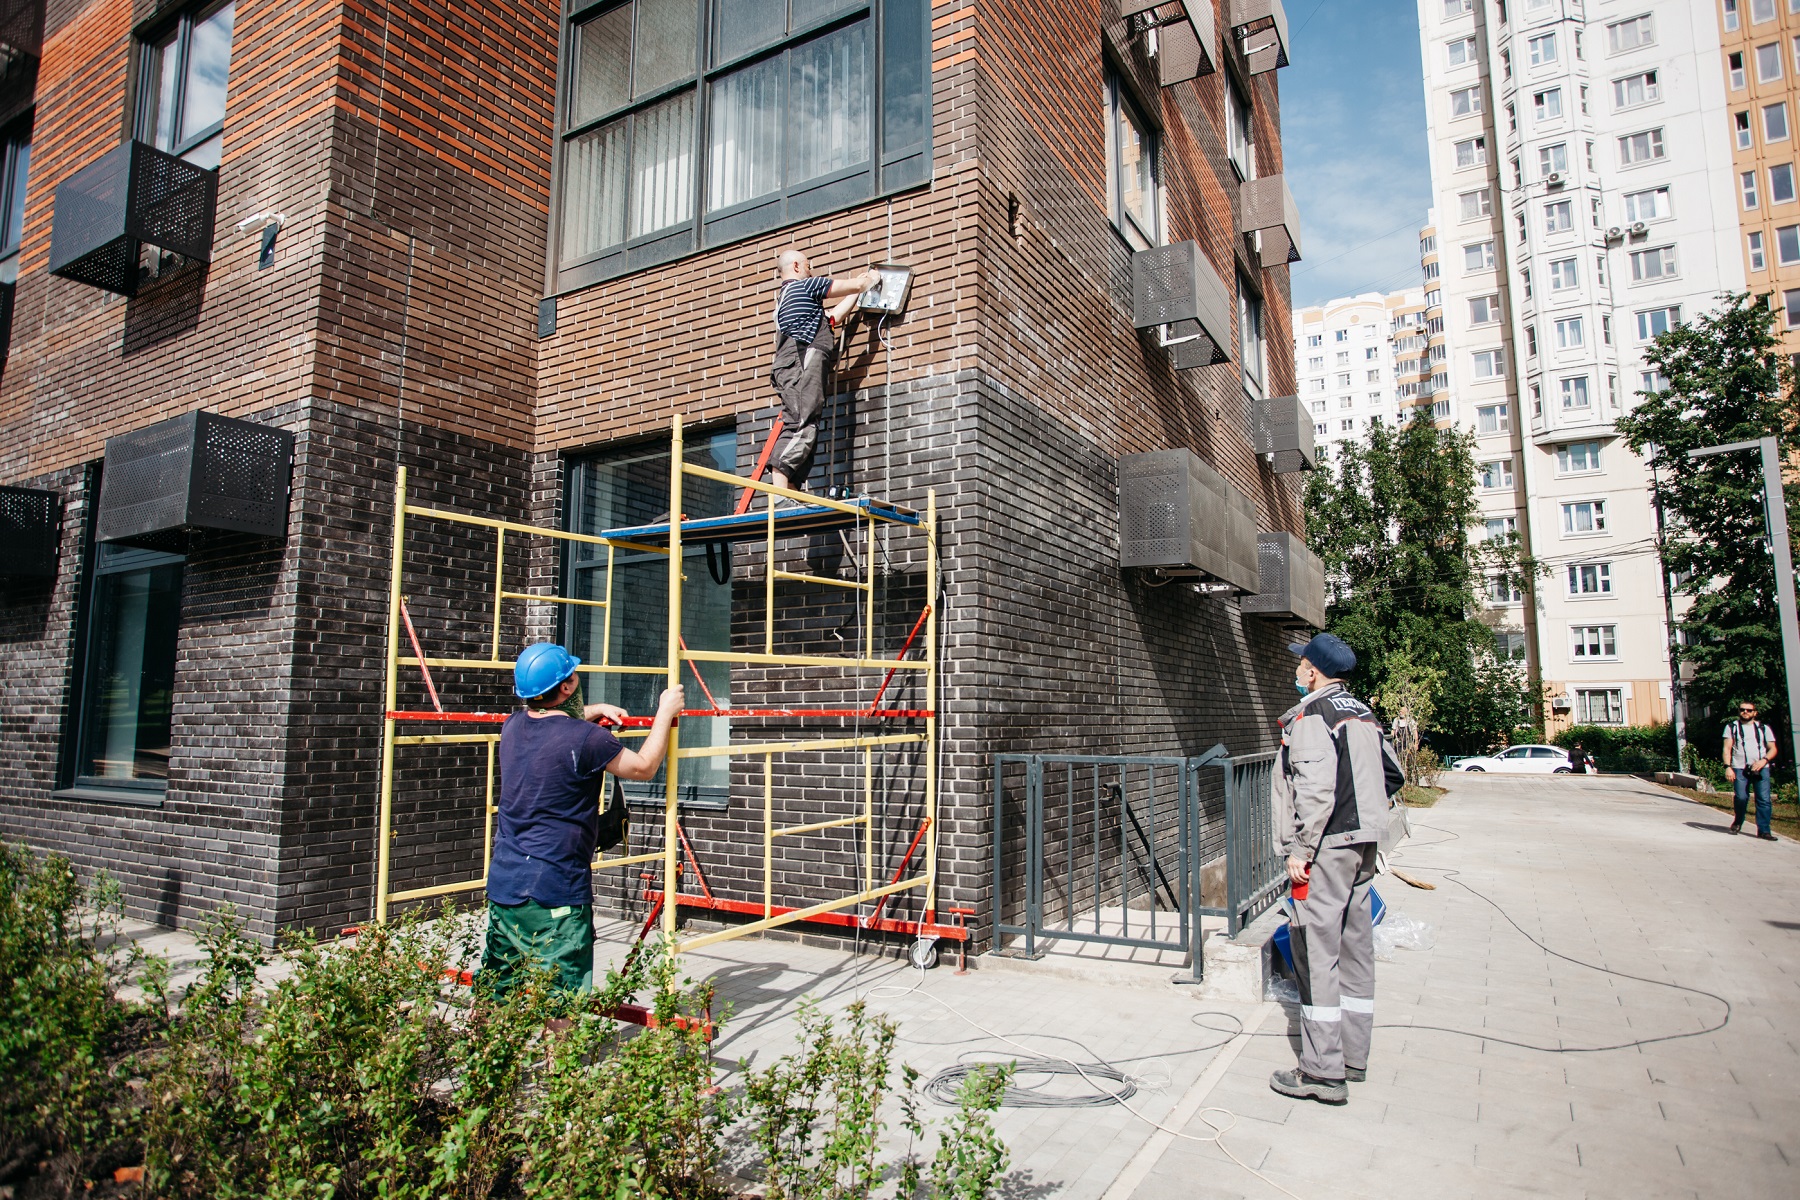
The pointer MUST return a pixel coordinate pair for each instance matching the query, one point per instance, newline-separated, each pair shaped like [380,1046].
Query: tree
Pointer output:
[1390,521]
[1727,380]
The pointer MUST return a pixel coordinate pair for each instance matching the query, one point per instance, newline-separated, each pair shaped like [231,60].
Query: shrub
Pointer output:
[1625,749]
[64,1030]
[971,1157]
[1427,766]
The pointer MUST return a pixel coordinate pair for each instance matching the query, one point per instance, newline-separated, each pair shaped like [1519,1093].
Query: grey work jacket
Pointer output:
[1319,806]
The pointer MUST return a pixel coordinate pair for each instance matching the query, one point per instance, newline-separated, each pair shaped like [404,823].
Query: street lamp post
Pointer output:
[1775,520]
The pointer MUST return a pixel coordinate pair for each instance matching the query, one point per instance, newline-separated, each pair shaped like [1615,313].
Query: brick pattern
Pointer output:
[409,151]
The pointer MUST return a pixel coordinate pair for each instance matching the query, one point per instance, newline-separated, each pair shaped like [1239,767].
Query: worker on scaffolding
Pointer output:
[805,354]
[552,770]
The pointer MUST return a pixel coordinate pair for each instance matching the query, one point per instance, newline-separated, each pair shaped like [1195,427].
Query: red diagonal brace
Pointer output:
[898,871]
[419,653]
[698,678]
[889,678]
[761,464]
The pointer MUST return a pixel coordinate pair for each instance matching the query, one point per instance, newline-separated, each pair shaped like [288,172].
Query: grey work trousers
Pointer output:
[799,375]
[1334,956]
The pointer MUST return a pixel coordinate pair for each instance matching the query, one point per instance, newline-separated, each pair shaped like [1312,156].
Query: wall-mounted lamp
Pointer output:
[888,298]
[272,223]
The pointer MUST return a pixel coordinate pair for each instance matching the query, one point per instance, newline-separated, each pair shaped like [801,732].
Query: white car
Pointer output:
[1519,760]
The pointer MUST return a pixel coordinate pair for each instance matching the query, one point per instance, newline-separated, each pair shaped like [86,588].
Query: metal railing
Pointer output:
[1109,849]
[1254,868]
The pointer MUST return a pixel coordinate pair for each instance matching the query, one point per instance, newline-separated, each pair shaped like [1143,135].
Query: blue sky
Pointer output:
[1353,139]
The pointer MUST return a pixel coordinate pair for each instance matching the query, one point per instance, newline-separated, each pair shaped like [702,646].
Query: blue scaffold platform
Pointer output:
[753,526]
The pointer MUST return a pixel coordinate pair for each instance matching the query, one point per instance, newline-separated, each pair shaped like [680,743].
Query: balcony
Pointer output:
[197,471]
[1174,289]
[1184,36]
[1261,30]
[1282,428]
[128,198]
[1268,209]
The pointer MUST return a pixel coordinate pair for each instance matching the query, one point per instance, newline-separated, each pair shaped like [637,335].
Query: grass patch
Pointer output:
[1416,796]
[1785,822]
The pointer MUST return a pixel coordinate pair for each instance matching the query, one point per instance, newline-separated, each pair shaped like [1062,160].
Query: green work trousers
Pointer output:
[561,939]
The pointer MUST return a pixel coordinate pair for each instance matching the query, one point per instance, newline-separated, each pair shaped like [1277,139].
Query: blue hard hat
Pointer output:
[540,668]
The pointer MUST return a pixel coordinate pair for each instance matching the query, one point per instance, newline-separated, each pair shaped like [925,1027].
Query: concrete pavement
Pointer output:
[1501,1069]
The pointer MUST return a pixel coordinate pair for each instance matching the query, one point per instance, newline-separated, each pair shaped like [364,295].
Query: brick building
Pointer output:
[425,252]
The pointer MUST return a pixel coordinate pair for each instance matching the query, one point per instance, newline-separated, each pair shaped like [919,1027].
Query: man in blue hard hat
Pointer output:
[1332,791]
[553,767]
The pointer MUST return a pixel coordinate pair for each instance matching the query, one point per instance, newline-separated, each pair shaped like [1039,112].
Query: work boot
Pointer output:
[1768,837]
[1301,1086]
[1356,1074]
[1737,826]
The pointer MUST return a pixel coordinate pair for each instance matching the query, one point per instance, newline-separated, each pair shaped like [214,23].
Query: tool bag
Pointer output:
[614,817]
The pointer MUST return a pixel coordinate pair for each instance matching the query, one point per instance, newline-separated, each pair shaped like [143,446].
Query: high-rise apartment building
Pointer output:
[1760,55]
[1361,361]
[1582,170]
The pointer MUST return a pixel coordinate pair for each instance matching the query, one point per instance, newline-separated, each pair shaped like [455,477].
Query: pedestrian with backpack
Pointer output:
[1333,787]
[1749,749]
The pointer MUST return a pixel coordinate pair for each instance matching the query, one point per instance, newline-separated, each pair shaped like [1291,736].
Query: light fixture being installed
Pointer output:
[888,298]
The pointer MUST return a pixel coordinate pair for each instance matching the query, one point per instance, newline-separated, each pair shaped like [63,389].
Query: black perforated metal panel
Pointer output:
[30,527]
[1176,284]
[199,471]
[134,194]
[241,474]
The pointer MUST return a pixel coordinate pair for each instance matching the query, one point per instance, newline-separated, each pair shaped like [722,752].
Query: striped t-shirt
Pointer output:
[799,308]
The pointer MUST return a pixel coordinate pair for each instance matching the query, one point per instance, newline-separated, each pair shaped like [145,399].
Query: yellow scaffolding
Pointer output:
[811,514]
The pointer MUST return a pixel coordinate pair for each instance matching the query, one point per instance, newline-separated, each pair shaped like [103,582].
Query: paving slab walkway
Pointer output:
[1490,1074]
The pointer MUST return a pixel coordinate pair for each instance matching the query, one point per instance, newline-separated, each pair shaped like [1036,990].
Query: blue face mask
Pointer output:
[1302,688]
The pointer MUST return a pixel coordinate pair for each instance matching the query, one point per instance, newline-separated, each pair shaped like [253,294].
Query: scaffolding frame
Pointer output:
[811,514]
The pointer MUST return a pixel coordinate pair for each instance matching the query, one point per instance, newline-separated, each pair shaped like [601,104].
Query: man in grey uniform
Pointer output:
[1332,795]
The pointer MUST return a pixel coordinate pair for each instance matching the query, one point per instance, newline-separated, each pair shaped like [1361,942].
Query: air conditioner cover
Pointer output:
[1267,207]
[1176,283]
[1263,26]
[197,471]
[30,528]
[131,195]
[1281,426]
[1292,581]
[1178,514]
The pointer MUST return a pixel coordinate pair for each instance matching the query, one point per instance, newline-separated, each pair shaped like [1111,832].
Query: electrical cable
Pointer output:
[943,1086]
[1095,1079]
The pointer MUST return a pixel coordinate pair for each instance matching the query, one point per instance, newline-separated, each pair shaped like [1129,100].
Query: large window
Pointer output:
[1593,641]
[181,90]
[1590,579]
[1630,34]
[1599,706]
[128,680]
[1584,516]
[1132,147]
[689,123]
[1641,147]
[630,486]
[1239,131]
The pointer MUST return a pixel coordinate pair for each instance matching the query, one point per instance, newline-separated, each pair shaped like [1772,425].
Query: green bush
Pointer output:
[369,1072]
[1624,749]
[64,1034]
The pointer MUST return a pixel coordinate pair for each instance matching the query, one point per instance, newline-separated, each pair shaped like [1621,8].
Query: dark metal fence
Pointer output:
[1108,849]
[1254,867]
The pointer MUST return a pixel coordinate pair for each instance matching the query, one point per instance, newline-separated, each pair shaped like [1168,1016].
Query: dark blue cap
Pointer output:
[1328,653]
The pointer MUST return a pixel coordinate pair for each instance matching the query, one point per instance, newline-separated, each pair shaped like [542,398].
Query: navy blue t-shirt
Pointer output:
[800,307]
[551,772]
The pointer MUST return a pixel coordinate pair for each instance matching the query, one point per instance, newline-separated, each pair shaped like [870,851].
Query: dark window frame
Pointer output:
[899,55]
[83,681]
[147,54]
[15,144]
